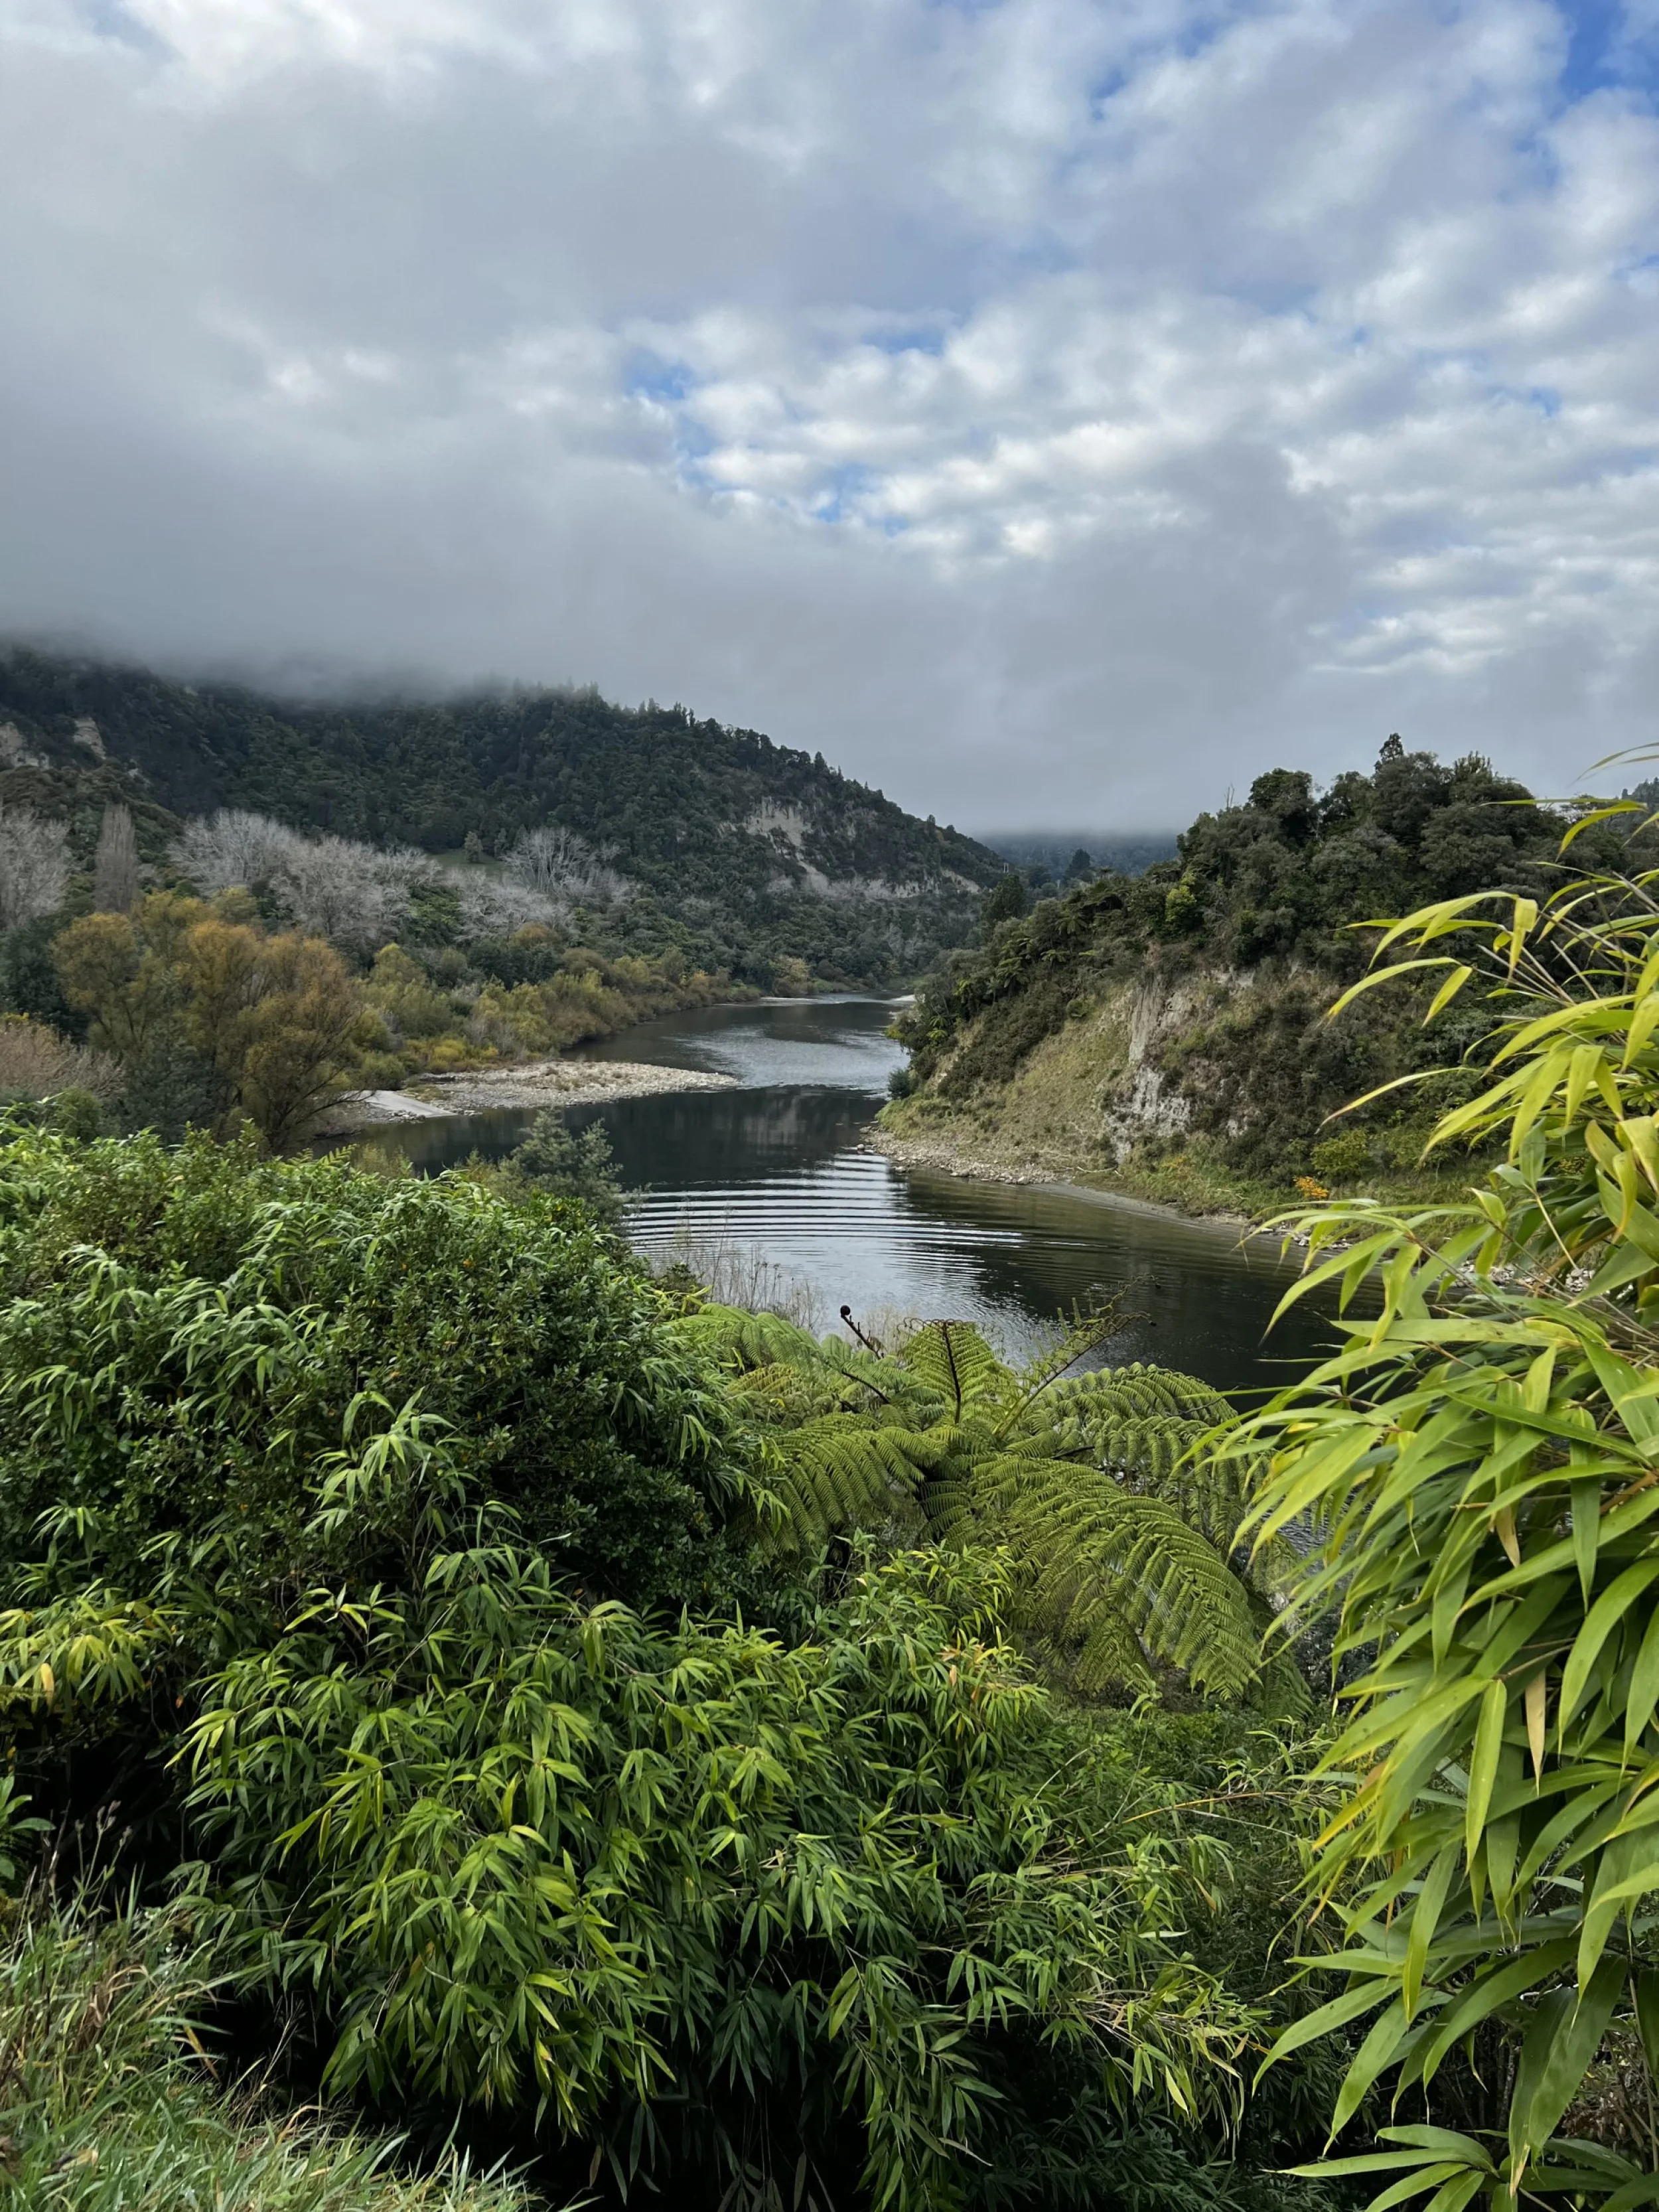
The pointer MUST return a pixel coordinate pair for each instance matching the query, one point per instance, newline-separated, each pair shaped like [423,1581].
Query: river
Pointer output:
[771,1183]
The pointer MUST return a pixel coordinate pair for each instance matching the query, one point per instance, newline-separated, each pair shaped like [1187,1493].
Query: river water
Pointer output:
[771,1183]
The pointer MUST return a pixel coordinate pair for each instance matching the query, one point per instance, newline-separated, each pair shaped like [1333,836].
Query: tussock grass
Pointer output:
[109,2102]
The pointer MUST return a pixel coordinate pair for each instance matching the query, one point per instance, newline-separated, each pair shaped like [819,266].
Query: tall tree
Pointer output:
[115,870]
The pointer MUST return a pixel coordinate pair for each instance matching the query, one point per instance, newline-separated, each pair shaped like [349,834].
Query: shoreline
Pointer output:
[943,1158]
[530,1084]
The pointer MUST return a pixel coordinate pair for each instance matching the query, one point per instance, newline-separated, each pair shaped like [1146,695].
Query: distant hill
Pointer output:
[751,850]
[1053,852]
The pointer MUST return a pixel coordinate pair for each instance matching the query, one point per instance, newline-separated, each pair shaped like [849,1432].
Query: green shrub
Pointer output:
[196,1341]
[1345,1158]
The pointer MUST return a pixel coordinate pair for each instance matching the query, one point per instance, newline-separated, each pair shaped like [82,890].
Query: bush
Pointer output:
[554,1160]
[381,1551]
[1343,1159]
[503,1349]
[35,1063]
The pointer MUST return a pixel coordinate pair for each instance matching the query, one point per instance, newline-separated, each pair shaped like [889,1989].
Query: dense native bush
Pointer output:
[196,1340]
[1267,893]
[815,1897]
[725,840]
[345,1526]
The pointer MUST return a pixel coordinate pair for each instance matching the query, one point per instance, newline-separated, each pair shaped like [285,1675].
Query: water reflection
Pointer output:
[775,1167]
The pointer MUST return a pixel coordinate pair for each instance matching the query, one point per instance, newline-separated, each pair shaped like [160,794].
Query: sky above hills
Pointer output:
[1053,411]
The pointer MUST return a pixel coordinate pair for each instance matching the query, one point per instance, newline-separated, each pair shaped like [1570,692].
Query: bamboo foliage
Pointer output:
[290,1461]
[1481,1461]
[1122,1528]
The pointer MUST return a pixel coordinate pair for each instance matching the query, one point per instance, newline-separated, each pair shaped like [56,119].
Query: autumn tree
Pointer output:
[266,1025]
[281,1018]
[114,969]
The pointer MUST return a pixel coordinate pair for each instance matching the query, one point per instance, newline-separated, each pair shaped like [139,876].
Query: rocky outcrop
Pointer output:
[1240,1064]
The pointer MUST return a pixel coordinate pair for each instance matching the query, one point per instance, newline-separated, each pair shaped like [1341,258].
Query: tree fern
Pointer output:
[1121,1524]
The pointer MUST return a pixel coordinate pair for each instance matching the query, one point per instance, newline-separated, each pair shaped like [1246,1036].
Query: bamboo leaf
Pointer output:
[1483,1766]
[1564,2037]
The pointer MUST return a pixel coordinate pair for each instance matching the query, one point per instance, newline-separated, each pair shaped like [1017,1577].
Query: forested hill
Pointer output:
[1167,1031]
[688,811]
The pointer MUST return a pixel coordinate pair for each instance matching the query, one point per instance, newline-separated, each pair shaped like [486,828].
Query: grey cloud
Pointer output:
[319,351]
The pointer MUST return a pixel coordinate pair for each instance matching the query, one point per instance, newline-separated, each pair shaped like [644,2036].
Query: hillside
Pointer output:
[743,853]
[1165,1034]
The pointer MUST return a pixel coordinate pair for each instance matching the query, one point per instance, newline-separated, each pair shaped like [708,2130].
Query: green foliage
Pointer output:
[106,2104]
[30,981]
[554,1159]
[223,1381]
[1122,1530]
[345,1528]
[1478,1460]
[539,1855]
[1009,900]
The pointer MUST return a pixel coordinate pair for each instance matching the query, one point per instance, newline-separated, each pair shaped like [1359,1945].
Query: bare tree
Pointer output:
[233,848]
[115,869]
[355,895]
[557,862]
[35,1063]
[33,865]
[350,893]
[493,907]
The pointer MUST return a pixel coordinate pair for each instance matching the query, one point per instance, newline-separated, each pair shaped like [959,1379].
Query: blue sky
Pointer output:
[1053,411]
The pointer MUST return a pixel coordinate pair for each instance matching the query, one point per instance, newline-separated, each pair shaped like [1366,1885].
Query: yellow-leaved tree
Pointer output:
[270,1025]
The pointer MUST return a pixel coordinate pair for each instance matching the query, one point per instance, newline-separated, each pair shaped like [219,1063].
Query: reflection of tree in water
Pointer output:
[701,1137]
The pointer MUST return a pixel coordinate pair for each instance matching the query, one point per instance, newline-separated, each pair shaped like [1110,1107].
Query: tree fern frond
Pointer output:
[1109,1657]
[731,1338]
[1091,1547]
[953,1360]
[1141,1389]
[846,1472]
[1120,1521]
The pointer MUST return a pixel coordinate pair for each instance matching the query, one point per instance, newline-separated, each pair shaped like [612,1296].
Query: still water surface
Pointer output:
[776,1169]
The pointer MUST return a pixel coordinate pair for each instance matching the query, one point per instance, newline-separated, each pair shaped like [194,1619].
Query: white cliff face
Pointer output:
[1136,1063]
[15,753]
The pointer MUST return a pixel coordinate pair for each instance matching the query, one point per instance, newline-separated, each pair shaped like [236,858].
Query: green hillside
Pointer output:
[745,852]
[1166,1032]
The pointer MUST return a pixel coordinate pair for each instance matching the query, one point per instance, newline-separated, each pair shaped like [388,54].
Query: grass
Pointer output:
[108,2101]
[1047,1126]
[737,1274]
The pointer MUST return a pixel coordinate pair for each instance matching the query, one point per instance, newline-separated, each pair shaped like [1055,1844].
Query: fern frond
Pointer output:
[1091,1547]
[846,1472]
[952,1360]
[1139,1390]
[730,1338]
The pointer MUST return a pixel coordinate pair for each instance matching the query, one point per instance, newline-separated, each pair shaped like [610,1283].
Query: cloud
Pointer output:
[1053,410]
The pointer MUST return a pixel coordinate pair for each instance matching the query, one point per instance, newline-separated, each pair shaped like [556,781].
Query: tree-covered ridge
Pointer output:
[710,823]
[1236,949]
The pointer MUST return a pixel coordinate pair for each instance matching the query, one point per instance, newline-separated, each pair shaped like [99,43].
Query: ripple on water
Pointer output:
[773,1169]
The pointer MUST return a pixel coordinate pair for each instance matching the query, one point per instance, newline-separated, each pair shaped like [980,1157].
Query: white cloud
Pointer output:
[1051,409]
